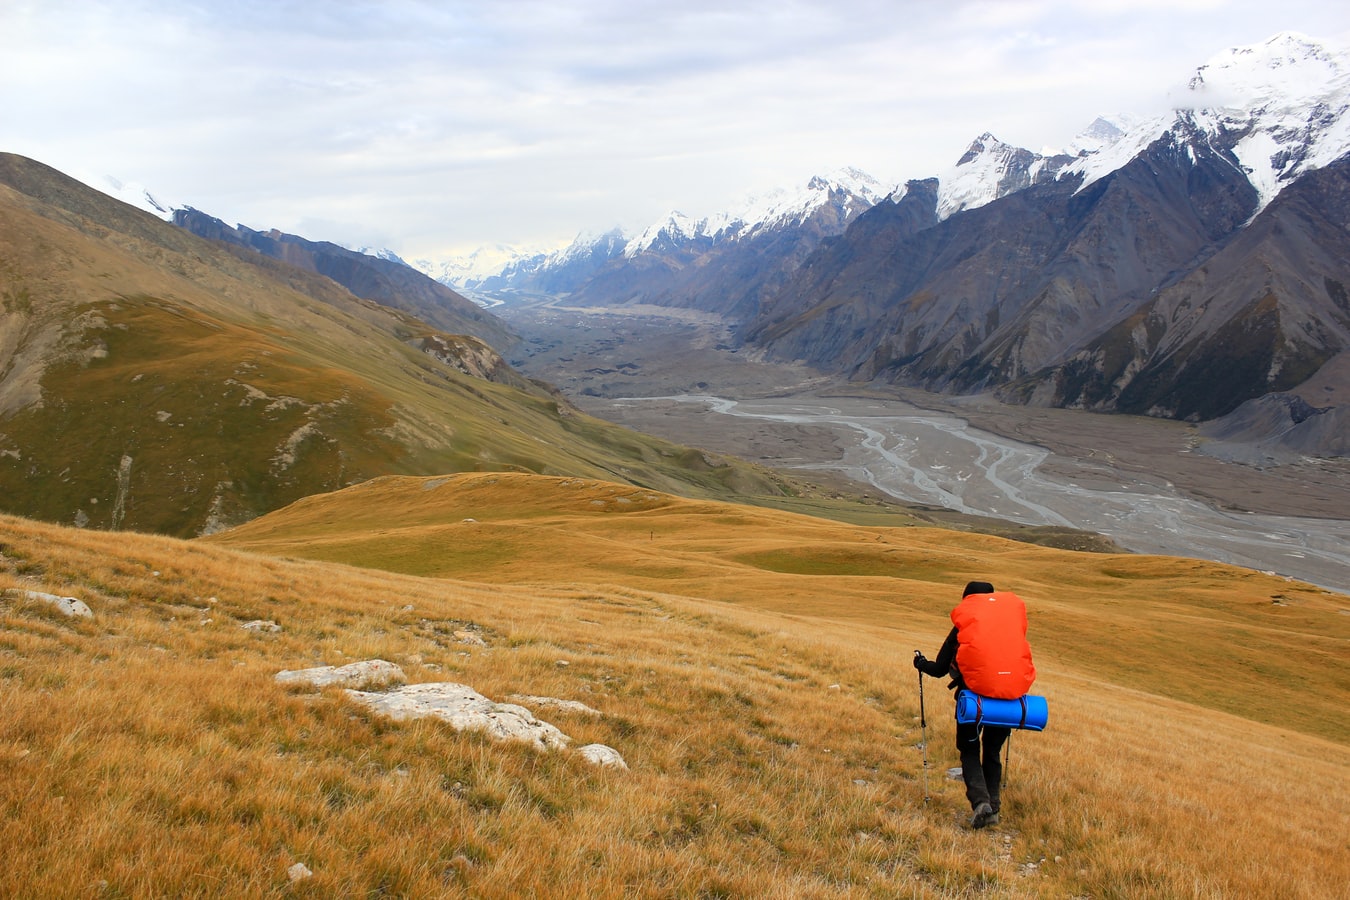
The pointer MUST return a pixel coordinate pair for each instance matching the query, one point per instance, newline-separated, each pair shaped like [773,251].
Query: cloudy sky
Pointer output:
[433,128]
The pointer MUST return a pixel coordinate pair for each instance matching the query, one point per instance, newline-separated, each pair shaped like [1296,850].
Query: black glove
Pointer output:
[919,661]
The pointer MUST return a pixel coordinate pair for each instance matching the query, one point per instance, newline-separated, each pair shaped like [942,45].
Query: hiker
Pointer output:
[985,652]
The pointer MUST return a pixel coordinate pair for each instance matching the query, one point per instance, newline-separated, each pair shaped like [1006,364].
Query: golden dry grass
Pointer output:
[771,733]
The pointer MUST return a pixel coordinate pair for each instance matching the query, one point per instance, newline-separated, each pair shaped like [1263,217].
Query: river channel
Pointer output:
[932,458]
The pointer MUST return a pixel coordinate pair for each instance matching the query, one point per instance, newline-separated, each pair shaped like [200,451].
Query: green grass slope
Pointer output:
[153,380]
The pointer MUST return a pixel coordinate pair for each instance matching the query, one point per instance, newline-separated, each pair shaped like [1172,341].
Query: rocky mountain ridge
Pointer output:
[1182,283]
[388,281]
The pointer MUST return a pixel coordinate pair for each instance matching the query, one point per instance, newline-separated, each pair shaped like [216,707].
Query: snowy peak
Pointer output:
[1280,109]
[1104,132]
[1287,100]
[137,195]
[1288,67]
[675,230]
[468,270]
[849,191]
[990,169]
[381,253]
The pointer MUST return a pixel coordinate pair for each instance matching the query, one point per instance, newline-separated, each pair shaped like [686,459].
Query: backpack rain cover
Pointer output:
[994,656]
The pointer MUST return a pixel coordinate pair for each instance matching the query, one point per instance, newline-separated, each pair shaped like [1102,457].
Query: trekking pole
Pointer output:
[923,725]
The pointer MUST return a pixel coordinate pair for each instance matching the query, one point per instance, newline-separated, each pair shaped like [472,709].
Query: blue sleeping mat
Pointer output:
[1029,712]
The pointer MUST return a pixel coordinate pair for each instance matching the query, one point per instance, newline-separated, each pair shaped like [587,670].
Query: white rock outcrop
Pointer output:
[261,625]
[367,673]
[602,755]
[465,709]
[69,606]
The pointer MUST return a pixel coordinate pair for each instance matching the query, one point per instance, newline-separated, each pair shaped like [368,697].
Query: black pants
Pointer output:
[983,777]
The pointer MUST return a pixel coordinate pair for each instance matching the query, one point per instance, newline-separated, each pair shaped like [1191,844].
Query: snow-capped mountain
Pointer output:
[379,253]
[673,261]
[727,263]
[848,190]
[469,270]
[991,169]
[1180,266]
[135,194]
[1279,109]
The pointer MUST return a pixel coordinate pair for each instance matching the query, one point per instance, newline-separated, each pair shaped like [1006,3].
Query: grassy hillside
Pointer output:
[751,667]
[156,381]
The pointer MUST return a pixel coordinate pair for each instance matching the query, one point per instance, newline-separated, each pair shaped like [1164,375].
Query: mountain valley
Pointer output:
[604,573]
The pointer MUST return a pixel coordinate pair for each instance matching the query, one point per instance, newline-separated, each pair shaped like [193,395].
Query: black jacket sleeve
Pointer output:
[942,666]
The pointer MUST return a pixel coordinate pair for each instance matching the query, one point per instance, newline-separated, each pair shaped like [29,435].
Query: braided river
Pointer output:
[924,457]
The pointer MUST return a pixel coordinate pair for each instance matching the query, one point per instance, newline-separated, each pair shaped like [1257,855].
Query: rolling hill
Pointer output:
[751,667]
[154,380]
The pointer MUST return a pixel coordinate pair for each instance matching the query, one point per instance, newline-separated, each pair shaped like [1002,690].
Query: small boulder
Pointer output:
[299,872]
[367,673]
[602,755]
[466,710]
[261,625]
[68,606]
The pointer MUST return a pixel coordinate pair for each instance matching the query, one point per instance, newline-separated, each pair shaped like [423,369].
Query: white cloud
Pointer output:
[431,126]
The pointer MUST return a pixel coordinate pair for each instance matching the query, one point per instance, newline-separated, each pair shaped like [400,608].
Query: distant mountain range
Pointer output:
[1179,266]
[372,275]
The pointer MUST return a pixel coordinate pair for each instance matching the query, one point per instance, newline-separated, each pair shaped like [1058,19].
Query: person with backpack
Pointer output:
[985,652]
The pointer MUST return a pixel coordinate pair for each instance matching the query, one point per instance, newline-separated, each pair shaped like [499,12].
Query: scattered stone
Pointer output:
[603,756]
[466,710]
[954,773]
[835,687]
[261,625]
[562,663]
[68,606]
[369,672]
[299,872]
[468,637]
[575,706]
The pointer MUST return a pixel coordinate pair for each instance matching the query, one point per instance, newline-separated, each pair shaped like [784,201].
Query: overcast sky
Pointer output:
[433,128]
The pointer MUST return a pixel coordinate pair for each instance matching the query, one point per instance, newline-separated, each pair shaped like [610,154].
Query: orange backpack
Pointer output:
[994,656]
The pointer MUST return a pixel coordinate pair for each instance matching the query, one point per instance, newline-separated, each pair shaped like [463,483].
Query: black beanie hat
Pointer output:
[977,587]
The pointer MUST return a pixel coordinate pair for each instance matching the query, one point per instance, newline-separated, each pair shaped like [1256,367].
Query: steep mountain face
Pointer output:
[1177,268]
[990,169]
[154,380]
[1262,314]
[389,282]
[994,294]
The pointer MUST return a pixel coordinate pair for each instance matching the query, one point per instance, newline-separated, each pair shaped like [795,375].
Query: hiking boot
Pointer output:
[984,816]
